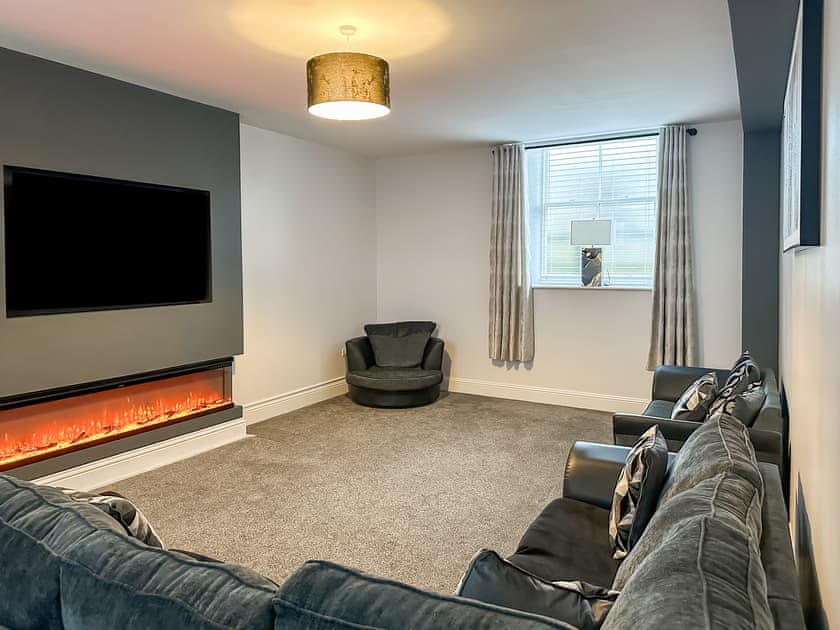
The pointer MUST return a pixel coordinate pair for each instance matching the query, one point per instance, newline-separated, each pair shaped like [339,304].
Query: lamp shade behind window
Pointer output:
[591,232]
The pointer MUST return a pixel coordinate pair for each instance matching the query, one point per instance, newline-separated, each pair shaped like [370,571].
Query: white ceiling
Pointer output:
[463,72]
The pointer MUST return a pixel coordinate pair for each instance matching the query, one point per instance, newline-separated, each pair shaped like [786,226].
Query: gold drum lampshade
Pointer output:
[348,86]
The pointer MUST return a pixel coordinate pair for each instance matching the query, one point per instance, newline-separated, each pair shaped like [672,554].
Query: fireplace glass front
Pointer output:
[32,432]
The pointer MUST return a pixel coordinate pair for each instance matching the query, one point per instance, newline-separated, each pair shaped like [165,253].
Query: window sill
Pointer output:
[606,288]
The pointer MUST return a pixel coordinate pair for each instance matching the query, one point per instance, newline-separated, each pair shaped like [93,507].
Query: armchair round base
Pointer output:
[393,399]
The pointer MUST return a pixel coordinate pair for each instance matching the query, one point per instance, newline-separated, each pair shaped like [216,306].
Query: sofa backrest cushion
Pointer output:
[90,575]
[725,496]
[721,444]
[328,596]
[399,344]
[709,576]
[37,527]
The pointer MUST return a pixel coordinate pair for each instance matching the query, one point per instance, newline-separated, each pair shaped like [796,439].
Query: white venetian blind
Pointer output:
[609,179]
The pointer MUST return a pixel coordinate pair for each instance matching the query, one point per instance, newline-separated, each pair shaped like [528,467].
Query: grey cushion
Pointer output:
[695,401]
[746,405]
[721,444]
[568,541]
[325,596]
[659,409]
[395,379]
[493,580]
[637,490]
[724,496]
[90,575]
[399,344]
[708,576]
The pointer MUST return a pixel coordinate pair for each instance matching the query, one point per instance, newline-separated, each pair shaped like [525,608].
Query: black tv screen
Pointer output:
[80,243]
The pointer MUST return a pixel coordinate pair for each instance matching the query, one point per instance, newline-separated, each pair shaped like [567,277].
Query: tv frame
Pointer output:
[10,169]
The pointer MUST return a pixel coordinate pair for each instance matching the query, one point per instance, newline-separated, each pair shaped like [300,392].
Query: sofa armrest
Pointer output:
[433,355]
[359,354]
[592,471]
[628,427]
[670,381]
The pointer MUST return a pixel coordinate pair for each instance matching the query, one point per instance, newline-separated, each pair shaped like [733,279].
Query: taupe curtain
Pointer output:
[511,302]
[673,337]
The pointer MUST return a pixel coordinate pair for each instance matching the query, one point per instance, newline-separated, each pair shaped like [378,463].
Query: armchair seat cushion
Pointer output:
[395,379]
[659,409]
[568,541]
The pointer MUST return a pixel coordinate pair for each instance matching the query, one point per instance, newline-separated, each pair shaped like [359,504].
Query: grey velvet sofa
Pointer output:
[66,565]
[409,379]
[670,381]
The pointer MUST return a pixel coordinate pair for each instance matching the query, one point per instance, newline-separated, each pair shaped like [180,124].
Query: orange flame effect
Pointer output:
[51,428]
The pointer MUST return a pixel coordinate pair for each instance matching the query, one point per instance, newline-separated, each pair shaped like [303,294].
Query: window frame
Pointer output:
[536,219]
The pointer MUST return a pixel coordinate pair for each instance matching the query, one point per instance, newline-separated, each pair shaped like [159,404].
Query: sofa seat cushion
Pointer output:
[659,409]
[708,576]
[721,444]
[90,575]
[395,379]
[568,541]
[493,580]
[725,496]
[325,596]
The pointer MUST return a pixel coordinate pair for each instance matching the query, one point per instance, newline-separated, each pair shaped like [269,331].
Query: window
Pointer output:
[608,179]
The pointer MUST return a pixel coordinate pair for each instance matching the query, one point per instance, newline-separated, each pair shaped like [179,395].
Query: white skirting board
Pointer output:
[548,395]
[117,467]
[303,397]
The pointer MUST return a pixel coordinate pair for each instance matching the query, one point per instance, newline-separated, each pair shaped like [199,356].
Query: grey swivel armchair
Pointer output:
[395,365]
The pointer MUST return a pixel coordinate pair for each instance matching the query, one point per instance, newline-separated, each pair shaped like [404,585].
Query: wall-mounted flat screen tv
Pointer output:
[80,243]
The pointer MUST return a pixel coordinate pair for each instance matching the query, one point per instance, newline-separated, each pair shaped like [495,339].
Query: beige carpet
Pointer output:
[407,494]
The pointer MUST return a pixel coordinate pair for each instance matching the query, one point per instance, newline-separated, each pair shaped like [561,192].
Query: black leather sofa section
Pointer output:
[569,541]
[670,381]
[374,386]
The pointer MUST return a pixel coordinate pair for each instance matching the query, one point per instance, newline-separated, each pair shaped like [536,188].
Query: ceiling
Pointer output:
[463,72]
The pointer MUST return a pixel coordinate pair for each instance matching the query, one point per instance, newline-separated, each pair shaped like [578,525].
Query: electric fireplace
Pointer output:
[44,425]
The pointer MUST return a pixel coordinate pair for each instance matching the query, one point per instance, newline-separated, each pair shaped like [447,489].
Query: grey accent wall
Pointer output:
[761,247]
[762,38]
[61,118]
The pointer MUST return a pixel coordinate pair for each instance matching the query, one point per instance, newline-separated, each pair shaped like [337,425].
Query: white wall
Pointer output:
[715,168]
[309,266]
[432,241]
[809,350]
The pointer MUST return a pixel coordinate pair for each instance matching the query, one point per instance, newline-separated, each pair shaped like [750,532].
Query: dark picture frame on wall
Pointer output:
[801,153]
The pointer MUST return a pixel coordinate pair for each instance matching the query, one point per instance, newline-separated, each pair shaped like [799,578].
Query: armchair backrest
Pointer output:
[399,344]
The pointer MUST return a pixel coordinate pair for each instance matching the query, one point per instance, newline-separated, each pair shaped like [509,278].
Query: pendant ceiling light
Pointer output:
[348,85]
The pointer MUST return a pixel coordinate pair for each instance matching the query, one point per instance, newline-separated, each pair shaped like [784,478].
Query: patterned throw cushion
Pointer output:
[493,580]
[695,401]
[746,405]
[637,490]
[399,344]
[123,511]
[744,373]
